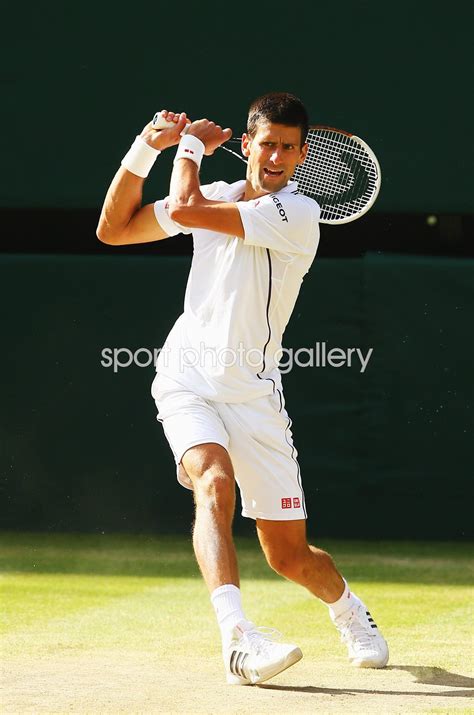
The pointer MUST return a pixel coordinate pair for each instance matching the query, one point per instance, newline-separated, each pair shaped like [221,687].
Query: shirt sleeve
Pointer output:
[283,222]
[161,208]
[172,228]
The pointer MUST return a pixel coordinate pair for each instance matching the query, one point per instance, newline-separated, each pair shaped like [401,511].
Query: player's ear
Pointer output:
[304,151]
[246,140]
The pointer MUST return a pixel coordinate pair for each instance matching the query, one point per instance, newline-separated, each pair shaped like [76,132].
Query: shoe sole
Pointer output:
[371,663]
[236,680]
[293,657]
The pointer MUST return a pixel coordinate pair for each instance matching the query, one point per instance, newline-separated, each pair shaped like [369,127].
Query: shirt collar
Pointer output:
[291,186]
[238,188]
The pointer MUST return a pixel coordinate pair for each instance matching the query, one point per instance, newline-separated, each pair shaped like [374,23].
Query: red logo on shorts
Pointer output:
[296,502]
[286,503]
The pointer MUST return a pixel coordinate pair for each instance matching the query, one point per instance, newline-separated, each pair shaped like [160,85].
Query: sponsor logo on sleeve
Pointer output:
[280,208]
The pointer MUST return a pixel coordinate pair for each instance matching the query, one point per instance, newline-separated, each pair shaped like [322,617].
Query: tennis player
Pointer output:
[218,388]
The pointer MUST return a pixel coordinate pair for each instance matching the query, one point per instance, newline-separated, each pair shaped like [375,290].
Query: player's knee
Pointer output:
[288,562]
[215,488]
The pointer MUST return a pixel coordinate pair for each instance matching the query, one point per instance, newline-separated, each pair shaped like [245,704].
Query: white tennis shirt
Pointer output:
[240,294]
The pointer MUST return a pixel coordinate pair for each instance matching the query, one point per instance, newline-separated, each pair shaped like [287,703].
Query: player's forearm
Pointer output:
[188,207]
[185,193]
[186,200]
[123,200]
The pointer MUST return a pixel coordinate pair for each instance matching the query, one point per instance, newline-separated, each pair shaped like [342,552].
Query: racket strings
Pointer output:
[336,169]
[338,173]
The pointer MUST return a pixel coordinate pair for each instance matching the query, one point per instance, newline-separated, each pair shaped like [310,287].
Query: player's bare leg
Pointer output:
[249,656]
[211,472]
[289,554]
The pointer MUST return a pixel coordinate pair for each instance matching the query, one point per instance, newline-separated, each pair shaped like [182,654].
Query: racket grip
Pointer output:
[159,122]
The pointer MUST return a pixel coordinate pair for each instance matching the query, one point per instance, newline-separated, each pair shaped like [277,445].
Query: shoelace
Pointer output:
[261,638]
[353,629]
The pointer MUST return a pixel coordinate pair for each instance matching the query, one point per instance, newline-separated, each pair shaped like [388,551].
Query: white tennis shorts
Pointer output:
[257,436]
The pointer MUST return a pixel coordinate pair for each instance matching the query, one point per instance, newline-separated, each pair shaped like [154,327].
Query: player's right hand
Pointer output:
[211,134]
[162,139]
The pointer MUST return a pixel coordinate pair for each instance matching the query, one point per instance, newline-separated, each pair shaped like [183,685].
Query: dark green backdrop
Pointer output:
[79,80]
[383,453]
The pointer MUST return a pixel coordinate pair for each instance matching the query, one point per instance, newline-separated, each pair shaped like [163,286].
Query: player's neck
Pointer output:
[253,193]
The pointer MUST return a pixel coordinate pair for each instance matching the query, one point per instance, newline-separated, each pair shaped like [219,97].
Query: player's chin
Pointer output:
[273,184]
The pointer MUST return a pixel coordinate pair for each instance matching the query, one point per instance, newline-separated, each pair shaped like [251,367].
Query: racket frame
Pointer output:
[358,140]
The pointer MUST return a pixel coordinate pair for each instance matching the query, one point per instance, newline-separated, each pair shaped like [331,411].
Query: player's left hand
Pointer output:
[211,134]
[162,139]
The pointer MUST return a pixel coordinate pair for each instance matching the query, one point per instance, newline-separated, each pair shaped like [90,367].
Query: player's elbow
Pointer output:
[106,238]
[182,213]
[102,236]
[105,235]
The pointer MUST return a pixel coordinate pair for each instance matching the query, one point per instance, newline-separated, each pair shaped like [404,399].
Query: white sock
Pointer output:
[227,604]
[346,602]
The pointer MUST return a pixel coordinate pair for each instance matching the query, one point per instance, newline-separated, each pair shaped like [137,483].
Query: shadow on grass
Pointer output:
[171,556]
[361,691]
[435,676]
[424,675]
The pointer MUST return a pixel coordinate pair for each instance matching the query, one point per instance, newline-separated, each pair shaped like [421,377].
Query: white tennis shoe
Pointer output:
[366,646]
[254,655]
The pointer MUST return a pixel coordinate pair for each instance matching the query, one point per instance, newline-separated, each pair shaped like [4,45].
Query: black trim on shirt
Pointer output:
[259,374]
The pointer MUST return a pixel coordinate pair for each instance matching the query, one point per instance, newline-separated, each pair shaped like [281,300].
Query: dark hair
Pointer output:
[278,108]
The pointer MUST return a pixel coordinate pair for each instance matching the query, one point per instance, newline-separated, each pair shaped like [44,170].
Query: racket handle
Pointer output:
[159,122]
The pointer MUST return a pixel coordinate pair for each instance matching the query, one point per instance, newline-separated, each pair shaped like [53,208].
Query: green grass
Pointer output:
[49,576]
[86,593]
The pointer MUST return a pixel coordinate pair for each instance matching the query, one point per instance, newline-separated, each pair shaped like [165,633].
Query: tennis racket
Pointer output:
[340,172]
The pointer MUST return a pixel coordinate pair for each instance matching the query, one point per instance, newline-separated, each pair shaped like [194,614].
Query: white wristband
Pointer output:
[190,147]
[140,158]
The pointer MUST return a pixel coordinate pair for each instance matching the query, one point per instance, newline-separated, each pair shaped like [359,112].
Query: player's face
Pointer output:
[273,154]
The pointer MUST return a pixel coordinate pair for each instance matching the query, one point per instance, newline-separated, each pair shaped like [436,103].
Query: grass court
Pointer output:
[123,624]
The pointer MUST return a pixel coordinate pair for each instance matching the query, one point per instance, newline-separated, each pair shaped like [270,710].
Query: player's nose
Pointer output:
[276,155]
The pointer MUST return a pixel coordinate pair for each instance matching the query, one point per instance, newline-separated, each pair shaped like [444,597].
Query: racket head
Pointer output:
[340,172]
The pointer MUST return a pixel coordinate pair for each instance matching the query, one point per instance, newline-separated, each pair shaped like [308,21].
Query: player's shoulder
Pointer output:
[290,200]
[291,194]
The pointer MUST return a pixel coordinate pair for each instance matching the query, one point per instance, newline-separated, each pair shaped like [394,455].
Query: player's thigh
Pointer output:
[189,421]
[264,459]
